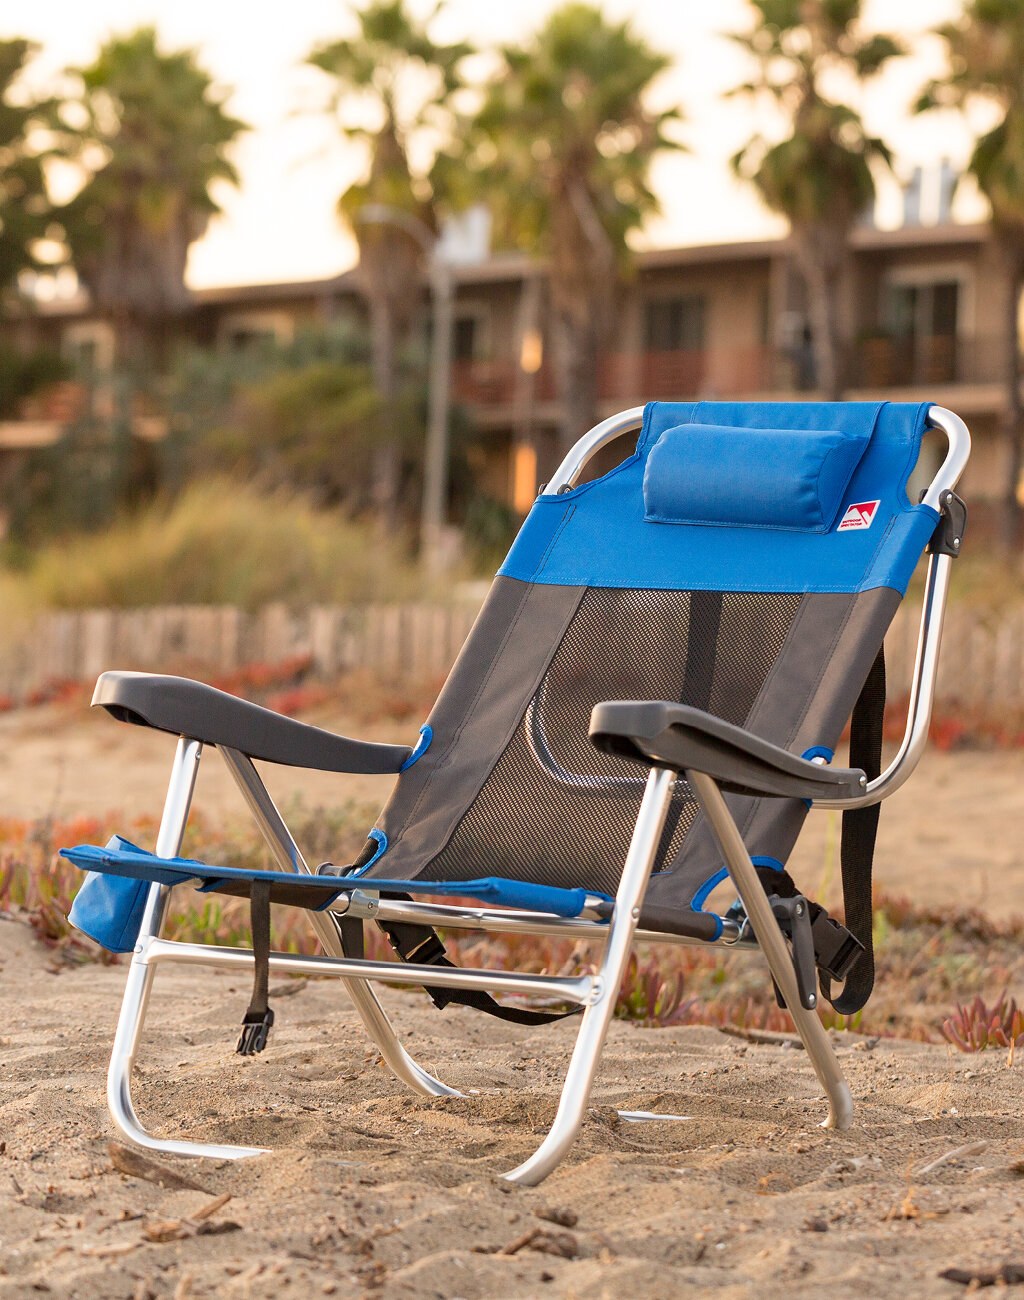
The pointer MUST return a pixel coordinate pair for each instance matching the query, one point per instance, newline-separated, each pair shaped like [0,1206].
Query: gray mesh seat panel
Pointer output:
[554,809]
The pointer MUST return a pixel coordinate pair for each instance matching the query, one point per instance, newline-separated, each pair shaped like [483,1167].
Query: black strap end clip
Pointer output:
[836,950]
[255,1032]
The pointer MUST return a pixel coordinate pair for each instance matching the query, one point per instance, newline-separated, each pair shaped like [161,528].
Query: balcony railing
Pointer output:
[939,359]
[629,378]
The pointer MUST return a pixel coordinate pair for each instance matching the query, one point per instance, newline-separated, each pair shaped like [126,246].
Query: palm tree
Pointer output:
[392,92]
[986,57]
[152,136]
[25,211]
[819,177]
[561,148]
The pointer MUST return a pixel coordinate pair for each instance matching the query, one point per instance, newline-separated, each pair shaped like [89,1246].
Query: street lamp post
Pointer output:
[435,467]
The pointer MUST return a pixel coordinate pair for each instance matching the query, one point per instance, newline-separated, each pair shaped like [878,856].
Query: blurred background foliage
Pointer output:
[557,134]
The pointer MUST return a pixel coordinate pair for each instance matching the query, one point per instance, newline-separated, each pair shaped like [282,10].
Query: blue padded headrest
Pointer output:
[715,474]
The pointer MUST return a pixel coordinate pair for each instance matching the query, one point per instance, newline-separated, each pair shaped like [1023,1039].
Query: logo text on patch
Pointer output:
[860,515]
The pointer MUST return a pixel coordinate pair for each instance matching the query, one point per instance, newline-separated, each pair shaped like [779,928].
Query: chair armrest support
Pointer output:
[188,708]
[662,734]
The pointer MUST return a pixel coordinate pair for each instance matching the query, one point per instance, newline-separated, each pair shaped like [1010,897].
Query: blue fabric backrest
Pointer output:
[598,534]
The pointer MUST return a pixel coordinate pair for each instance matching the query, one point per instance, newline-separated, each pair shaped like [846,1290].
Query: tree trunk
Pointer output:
[820,257]
[578,362]
[584,282]
[384,470]
[1013,414]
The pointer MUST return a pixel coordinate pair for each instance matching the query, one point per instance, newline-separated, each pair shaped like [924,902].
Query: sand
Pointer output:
[372,1191]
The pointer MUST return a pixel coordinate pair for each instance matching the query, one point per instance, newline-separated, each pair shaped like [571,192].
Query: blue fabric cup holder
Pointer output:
[109,908]
[711,474]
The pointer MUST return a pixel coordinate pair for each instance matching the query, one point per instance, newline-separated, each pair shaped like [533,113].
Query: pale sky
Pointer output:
[281,223]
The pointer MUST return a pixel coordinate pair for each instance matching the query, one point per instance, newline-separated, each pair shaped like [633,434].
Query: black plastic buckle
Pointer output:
[431,952]
[255,1032]
[836,950]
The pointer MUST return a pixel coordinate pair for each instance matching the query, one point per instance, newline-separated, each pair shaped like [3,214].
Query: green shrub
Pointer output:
[223,542]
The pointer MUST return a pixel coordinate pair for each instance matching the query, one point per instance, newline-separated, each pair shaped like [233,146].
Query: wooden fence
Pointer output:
[982,656]
[412,640]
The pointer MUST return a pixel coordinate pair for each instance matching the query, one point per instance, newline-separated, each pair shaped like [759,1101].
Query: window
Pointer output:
[922,318]
[674,324]
[925,311]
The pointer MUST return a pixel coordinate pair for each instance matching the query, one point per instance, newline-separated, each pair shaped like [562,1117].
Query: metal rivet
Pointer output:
[863,780]
[636,914]
[956,541]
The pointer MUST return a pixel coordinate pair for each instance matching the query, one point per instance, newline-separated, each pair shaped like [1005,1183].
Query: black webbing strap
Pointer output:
[258,1017]
[857,852]
[420,944]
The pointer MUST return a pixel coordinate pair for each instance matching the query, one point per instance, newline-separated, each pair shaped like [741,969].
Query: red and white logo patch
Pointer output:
[860,515]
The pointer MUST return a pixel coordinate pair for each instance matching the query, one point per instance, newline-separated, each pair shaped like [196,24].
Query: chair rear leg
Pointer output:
[598,1015]
[140,973]
[755,902]
[365,1000]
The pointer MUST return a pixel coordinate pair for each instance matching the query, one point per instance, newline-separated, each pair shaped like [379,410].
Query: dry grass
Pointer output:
[219,542]
[929,962]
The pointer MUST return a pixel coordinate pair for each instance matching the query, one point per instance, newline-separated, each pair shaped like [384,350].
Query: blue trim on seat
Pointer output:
[701,897]
[816,751]
[382,848]
[422,745]
[596,536]
[773,864]
[128,860]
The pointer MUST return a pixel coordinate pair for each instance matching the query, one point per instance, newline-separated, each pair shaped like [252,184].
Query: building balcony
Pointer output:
[498,391]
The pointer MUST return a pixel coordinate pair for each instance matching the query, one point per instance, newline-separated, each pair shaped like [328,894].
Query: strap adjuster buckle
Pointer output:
[255,1032]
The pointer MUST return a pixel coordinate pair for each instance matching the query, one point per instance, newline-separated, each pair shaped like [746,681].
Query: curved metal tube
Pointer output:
[922,693]
[598,1016]
[600,435]
[537,741]
[948,474]
[140,977]
[929,639]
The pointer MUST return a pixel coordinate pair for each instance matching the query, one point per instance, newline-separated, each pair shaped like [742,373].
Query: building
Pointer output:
[921,315]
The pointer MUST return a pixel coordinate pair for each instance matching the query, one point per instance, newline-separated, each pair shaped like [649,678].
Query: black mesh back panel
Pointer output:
[554,809]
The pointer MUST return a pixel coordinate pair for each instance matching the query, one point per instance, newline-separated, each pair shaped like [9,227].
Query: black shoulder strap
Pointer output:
[860,826]
[420,944]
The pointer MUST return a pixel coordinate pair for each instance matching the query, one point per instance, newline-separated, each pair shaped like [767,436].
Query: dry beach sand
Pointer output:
[375,1192]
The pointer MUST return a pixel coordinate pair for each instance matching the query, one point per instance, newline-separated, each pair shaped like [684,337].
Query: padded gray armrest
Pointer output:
[679,737]
[187,708]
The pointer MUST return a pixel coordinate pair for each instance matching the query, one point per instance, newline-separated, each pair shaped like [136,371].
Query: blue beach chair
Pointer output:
[648,702]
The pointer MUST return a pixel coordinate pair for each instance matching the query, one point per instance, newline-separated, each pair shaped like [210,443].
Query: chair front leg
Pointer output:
[140,973]
[598,1014]
[773,945]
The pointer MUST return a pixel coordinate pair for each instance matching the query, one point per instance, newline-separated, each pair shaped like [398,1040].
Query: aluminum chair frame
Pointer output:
[596,993]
